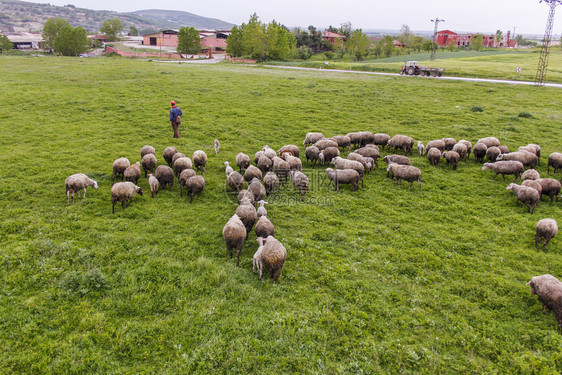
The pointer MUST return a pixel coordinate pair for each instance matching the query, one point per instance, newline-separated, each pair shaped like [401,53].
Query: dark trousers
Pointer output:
[176,128]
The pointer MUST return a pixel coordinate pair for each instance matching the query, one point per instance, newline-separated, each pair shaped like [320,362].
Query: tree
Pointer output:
[377,50]
[234,46]
[254,38]
[451,45]
[189,40]
[498,37]
[417,43]
[71,41]
[477,42]
[315,39]
[388,45]
[428,45]
[345,29]
[406,36]
[358,44]
[51,31]
[281,44]
[5,44]
[133,31]
[111,28]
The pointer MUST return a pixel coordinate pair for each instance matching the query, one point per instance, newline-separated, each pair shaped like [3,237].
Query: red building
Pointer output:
[332,37]
[444,37]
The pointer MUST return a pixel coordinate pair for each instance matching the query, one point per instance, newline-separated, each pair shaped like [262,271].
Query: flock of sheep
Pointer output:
[273,168]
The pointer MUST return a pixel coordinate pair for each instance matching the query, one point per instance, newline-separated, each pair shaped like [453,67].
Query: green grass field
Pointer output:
[384,280]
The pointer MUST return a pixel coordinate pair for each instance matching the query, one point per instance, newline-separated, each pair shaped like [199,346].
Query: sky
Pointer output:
[527,16]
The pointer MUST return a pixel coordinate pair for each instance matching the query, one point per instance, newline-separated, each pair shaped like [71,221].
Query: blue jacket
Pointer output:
[175,112]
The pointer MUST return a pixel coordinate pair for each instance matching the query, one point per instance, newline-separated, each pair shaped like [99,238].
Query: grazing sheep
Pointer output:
[343,141]
[261,209]
[119,167]
[123,192]
[367,164]
[341,163]
[247,213]
[264,227]
[452,158]
[527,158]
[311,153]
[312,138]
[344,176]
[271,182]
[436,143]
[257,157]
[165,176]
[200,160]
[550,187]
[503,149]
[530,174]
[546,230]
[398,159]
[555,160]
[401,141]
[77,182]
[533,184]
[366,138]
[381,139]
[228,169]
[293,149]
[461,149]
[321,158]
[133,173]
[245,194]
[324,143]
[153,183]
[257,262]
[505,167]
[421,148]
[354,138]
[243,161]
[234,234]
[404,172]
[235,180]
[194,185]
[300,182]
[180,164]
[492,154]
[295,164]
[370,151]
[257,189]
[145,150]
[269,152]
[169,153]
[537,150]
[282,168]
[449,143]
[216,146]
[251,173]
[148,163]
[184,176]
[434,156]
[468,146]
[479,152]
[527,195]
[549,291]
[176,156]
[273,257]
[265,164]
[330,153]
[489,141]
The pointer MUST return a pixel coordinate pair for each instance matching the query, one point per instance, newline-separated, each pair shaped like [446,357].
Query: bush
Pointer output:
[477,108]
[525,115]
[329,55]
[304,53]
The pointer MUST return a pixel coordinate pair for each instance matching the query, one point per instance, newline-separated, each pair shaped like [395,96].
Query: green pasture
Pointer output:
[388,279]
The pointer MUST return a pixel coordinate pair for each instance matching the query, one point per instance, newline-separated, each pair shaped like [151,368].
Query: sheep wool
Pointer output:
[200,160]
[77,182]
[234,235]
[242,161]
[168,153]
[247,213]
[549,291]
[153,183]
[165,175]
[194,185]
[133,173]
[273,257]
[145,150]
[123,192]
[527,195]
[119,167]
[264,227]
[546,229]
[148,163]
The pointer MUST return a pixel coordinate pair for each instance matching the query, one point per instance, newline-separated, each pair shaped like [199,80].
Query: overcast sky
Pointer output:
[529,16]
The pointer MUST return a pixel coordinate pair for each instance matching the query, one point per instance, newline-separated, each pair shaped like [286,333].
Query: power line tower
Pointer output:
[436,22]
[545,50]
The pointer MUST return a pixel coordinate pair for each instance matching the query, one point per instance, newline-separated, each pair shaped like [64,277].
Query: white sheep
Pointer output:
[257,262]
[421,148]
[77,182]
[261,209]
[228,169]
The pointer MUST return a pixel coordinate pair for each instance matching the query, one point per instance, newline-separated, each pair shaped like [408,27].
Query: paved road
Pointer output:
[558,85]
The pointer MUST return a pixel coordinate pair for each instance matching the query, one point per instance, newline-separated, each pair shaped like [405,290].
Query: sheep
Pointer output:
[324,143]
[261,209]
[533,184]
[271,182]
[184,176]
[257,189]
[533,149]
[371,151]
[119,167]
[282,168]
[462,150]
[300,182]
[76,182]
[354,138]
[505,167]
[273,257]
[245,194]
[194,185]
[145,150]
[381,139]
[149,163]
[311,153]
[366,138]
[492,154]
[176,156]
[546,229]
[421,148]
[404,172]
[344,176]
[235,180]
[530,174]
[293,149]
[228,169]
[269,152]
[264,227]
[527,158]
[133,173]
[362,159]
[398,159]
[550,187]
[468,146]
[434,156]
[321,158]
[234,234]
[216,146]
[330,153]
[401,141]
[489,141]
[549,291]
[123,192]
[247,213]
[343,141]
[452,158]
[257,262]
[165,175]
[503,149]
[312,138]
[479,152]
[436,143]
[265,164]
[182,163]
[200,160]
[449,143]
[243,161]
[340,163]
[168,153]
[257,157]
[555,160]
[251,173]
[527,195]
[294,162]
[153,183]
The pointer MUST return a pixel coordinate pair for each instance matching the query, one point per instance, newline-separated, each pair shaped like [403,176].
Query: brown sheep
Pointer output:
[119,167]
[549,290]
[123,192]
[148,164]
[169,153]
[165,175]
[133,173]
[273,257]
[77,182]
[234,235]
[546,229]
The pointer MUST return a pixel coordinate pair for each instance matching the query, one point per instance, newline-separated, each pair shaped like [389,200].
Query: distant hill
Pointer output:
[18,15]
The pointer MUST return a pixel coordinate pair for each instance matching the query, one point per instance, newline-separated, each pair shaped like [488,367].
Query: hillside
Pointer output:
[25,16]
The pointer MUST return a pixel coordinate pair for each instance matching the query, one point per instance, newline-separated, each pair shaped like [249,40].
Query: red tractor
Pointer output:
[413,69]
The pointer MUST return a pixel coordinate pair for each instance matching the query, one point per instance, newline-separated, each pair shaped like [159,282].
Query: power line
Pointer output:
[436,22]
[545,49]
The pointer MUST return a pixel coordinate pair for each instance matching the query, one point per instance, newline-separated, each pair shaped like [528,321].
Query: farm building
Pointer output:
[332,37]
[22,40]
[210,39]
[445,37]
[164,38]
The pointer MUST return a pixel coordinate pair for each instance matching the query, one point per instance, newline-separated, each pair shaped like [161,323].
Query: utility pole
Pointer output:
[436,22]
[545,49]
[513,36]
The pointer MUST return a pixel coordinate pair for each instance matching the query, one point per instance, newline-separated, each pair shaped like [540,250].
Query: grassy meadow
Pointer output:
[388,279]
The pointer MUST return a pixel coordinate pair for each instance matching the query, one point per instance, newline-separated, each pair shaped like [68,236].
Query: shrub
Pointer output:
[304,53]
[329,55]
[525,115]
[477,108]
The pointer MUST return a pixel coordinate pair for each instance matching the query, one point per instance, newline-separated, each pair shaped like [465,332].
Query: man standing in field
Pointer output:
[175,119]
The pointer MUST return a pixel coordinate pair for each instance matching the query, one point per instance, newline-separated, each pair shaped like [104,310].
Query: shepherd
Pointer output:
[175,118]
